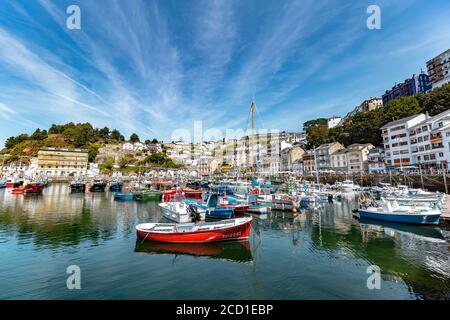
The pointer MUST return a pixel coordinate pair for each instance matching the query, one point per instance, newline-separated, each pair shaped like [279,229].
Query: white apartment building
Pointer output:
[429,139]
[358,156]
[376,160]
[439,69]
[339,160]
[396,140]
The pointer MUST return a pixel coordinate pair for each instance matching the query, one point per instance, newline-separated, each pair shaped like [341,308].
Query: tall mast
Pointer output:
[253,135]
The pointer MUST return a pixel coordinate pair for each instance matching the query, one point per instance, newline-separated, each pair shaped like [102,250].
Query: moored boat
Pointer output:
[29,188]
[144,195]
[77,187]
[115,186]
[97,186]
[391,211]
[124,197]
[226,230]
[2,183]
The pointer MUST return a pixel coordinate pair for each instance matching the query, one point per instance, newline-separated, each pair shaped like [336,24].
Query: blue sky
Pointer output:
[154,66]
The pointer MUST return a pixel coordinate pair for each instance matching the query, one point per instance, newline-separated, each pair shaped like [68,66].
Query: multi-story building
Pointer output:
[428,139]
[410,87]
[323,153]
[297,166]
[289,156]
[62,162]
[339,160]
[309,162]
[376,160]
[438,69]
[371,104]
[396,140]
[357,157]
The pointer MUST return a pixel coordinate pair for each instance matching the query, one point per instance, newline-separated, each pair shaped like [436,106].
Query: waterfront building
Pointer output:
[62,162]
[376,161]
[289,156]
[428,139]
[339,160]
[333,122]
[371,104]
[357,157]
[396,140]
[323,153]
[410,87]
[309,162]
[297,166]
[206,167]
[438,69]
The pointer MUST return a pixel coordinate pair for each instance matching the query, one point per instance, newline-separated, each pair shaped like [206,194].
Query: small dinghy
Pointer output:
[234,229]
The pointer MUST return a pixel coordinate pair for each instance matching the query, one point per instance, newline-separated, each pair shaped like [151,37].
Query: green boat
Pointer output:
[147,196]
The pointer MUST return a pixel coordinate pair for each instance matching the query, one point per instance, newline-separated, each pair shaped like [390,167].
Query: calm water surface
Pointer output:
[320,254]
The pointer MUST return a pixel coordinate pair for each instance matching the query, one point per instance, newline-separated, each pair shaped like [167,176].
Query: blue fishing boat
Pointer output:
[211,207]
[124,197]
[391,211]
[115,186]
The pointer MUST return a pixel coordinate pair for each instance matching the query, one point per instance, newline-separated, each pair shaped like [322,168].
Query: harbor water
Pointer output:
[321,253]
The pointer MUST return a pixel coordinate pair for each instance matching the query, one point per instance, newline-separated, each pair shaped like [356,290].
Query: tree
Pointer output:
[401,108]
[39,135]
[317,135]
[115,135]
[147,141]
[154,141]
[436,101]
[104,133]
[315,123]
[134,138]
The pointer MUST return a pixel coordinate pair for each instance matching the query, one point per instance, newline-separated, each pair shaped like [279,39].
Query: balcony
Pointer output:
[436,139]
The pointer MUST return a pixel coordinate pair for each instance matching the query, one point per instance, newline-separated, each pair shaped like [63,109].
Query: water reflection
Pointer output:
[235,251]
[317,253]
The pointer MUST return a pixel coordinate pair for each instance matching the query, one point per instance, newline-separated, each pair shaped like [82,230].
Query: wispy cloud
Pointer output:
[151,67]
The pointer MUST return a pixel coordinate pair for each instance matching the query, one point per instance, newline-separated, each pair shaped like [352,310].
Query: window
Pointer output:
[440,124]
[424,128]
[432,156]
[441,154]
[447,134]
[426,157]
[427,147]
[420,139]
[426,138]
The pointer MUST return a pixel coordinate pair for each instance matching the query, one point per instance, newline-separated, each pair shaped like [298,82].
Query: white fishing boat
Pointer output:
[392,211]
[181,212]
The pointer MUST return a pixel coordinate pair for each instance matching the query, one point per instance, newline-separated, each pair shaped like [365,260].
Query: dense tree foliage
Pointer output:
[134,138]
[70,135]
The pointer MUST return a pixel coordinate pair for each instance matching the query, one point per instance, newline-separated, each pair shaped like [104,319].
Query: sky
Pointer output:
[155,67]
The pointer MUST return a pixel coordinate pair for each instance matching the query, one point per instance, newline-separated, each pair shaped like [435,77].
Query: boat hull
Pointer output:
[151,196]
[124,197]
[432,219]
[238,232]
[219,213]
[98,187]
[77,188]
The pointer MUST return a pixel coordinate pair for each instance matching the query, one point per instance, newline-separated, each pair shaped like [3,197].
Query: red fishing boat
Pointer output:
[239,208]
[234,229]
[13,183]
[28,188]
[193,194]
[170,195]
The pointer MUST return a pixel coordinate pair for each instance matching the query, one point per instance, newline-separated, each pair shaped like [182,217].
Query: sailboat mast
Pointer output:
[253,135]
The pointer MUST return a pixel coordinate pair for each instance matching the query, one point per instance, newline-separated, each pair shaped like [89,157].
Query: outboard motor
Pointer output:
[330,198]
[194,214]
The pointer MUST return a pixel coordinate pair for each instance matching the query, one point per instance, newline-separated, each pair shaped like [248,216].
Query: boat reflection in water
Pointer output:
[235,251]
[370,228]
